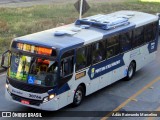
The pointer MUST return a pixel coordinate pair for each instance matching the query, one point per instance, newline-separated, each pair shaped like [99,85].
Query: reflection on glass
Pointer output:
[33,70]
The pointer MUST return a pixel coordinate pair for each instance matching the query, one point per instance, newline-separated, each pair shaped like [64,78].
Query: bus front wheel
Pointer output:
[78,96]
[131,70]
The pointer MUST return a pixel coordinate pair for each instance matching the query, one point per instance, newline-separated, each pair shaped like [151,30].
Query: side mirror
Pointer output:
[3,61]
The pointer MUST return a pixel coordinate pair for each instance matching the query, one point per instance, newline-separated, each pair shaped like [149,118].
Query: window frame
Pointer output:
[72,69]
[138,44]
[131,39]
[103,59]
[113,46]
[88,51]
[148,31]
[156,25]
[71,55]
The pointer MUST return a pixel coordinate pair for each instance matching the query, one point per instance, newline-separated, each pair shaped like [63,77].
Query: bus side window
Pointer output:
[66,66]
[113,46]
[148,32]
[98,52]
[125,41]
[81,59]
[155,25]
[138,38]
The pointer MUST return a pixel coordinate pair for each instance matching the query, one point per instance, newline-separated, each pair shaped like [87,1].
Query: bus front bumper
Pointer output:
[51,105]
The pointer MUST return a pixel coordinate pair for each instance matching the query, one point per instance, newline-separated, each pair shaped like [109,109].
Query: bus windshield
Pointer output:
[33,70]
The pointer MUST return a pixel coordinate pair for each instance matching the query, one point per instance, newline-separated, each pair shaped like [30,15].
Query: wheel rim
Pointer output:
[78,96]
[130,71]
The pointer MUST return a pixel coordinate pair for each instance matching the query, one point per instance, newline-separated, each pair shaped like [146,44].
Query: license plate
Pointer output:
[25,102]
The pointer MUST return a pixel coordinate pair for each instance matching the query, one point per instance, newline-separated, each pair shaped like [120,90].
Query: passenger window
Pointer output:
[138,37]
[67,64]
[148,33]
[155,25]
[83,57]
[98,52]
[152,32]
[112,46]
[125,41]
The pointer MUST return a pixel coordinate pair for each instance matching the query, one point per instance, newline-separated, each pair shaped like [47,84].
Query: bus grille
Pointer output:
[29,88]
[32,102]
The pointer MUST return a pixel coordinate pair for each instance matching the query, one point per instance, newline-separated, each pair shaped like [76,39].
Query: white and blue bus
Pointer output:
[53,68]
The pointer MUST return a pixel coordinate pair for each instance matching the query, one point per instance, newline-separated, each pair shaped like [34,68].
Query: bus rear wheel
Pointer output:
[131,70]
[78,96]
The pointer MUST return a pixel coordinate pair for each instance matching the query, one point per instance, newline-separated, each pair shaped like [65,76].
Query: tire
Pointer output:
[131,71]
[78,96]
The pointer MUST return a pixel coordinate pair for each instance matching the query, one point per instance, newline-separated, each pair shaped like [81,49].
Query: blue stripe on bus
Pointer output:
[60,90]
[63,89]
[106,66]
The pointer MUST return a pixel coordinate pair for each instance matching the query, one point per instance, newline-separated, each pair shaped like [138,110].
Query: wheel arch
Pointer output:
[135,64]
[84,87]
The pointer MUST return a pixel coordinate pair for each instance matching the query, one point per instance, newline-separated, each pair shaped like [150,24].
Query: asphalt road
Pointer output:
[142,93]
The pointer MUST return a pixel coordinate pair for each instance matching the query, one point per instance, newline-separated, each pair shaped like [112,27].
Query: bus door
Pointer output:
[66,73]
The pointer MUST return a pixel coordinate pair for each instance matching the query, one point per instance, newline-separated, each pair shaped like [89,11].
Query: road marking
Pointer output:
[131,98]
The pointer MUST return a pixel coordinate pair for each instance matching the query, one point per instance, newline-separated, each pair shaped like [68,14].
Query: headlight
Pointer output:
[50,97]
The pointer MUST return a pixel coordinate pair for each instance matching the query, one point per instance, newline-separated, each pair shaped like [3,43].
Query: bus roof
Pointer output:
[75,36]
